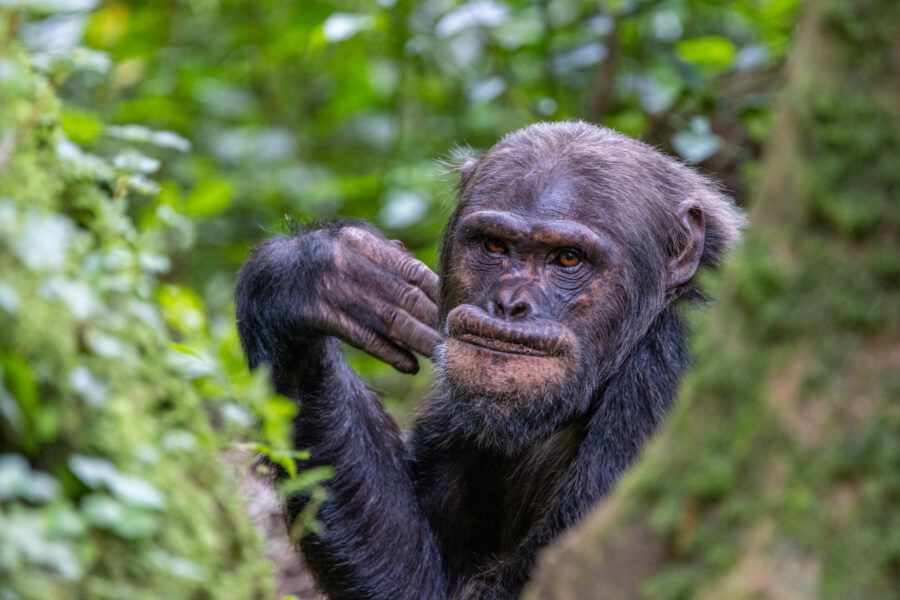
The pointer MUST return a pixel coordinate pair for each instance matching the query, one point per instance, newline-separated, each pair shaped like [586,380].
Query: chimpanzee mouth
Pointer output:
[536,337]
[499,345]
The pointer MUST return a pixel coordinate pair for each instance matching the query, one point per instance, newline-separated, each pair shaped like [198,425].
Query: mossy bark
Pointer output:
[778,474]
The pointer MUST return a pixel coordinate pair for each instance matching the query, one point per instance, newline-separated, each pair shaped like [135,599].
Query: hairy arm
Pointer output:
[297,297]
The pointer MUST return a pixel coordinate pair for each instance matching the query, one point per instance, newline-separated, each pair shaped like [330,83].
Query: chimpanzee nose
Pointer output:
[511,305]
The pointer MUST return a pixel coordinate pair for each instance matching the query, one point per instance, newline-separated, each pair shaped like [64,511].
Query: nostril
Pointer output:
[510,304]
[519,309]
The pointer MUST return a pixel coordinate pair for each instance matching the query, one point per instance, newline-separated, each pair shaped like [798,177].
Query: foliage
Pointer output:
[111,484]
[316,108]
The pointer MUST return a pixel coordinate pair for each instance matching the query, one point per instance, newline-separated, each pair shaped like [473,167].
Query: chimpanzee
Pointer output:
[557,345]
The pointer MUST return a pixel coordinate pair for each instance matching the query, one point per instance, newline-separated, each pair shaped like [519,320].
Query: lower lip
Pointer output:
[501,346]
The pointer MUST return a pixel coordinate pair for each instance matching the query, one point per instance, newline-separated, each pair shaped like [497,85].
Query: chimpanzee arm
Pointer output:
[295,297]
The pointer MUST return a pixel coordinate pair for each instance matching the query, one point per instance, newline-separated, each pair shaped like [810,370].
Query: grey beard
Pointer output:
[508,425]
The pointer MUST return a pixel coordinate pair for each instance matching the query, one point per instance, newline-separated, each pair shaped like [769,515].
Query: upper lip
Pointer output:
[535,337]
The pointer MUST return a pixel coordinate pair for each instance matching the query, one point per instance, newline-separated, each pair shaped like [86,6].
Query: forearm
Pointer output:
[375,541]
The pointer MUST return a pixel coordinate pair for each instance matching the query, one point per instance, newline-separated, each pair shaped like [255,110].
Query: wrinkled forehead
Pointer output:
[601,193]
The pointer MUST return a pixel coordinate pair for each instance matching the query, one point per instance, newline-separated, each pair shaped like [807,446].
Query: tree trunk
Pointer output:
[778,474]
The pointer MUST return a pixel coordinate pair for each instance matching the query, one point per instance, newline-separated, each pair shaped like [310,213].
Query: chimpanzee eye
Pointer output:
[495,246]
[568,257]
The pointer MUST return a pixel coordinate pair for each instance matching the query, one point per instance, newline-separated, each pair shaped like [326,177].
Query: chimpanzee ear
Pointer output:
[683,266]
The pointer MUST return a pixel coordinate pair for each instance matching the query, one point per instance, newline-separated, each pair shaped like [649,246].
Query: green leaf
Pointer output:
[136,162]
[14,472]
[209,197]
[178,566]
[80,127]
[710,51]
[135,491]
[17,382]
[139,133]
[91,471]
[128,488]
[307,480]
[126,522]
[182,349]
[182,309]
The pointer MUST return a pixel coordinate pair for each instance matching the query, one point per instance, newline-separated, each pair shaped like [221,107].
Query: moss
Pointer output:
[864,29]
[854,177]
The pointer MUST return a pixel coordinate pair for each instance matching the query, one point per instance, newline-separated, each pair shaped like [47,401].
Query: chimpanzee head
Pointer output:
[567,242]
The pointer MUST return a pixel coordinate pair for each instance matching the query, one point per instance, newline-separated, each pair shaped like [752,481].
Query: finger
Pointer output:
[416,273]
[404,329]
[371,342]
[414,301]
[397,310]
[382,283]
[431,284]
[393,254]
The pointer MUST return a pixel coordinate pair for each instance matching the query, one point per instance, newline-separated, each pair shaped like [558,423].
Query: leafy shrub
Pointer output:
[111,482]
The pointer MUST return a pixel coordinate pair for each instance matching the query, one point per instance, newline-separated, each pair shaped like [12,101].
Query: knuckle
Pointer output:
[410,270]
[399,291]
[405,292]
[369,338]
[351,234]
[390,317]
[399,287]
[417,303]
[411,301]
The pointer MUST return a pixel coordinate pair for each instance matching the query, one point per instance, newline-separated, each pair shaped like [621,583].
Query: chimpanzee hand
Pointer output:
[372,294]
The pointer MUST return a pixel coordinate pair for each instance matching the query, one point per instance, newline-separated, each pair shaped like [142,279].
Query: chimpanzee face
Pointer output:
[563,249]
[539,294]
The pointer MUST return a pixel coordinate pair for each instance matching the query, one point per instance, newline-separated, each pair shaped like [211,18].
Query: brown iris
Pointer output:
[568,258]
[496,246]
